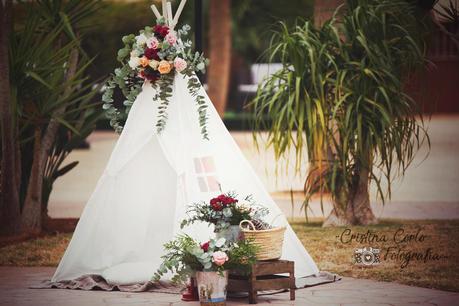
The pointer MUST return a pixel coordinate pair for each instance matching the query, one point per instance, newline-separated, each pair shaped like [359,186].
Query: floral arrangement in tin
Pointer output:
[183,255]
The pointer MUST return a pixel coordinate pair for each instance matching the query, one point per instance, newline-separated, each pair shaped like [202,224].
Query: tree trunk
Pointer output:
[53,126]
[358,210]
[31,212]
[363,215]
[220,53]
[342,213]
[9,198]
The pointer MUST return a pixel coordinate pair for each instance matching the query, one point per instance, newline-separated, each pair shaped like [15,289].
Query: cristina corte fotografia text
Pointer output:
[400,245]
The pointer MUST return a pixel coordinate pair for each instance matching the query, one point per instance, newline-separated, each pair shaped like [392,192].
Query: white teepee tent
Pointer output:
[142,195]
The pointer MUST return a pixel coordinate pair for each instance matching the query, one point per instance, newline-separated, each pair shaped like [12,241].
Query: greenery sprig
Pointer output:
[223,214]
[163,94]
[184,255]
[152,56]
[194,87]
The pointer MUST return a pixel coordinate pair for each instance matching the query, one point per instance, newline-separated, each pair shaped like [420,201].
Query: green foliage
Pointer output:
[83,117]
[164,92]
[49,83]
[127,78]
[242,257]
[341,91]
[183,255]
[194,87]
[178,259]
[223,215]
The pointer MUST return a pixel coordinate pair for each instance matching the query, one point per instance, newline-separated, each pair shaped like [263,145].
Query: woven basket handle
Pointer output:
[249,222]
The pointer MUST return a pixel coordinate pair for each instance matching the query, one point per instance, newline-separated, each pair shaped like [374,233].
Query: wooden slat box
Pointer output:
[264,277]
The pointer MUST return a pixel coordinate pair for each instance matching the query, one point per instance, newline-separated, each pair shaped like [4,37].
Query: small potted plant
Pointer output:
[225,212]
[209,262]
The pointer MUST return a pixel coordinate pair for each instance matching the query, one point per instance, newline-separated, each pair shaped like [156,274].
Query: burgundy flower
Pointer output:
[216,206]
[229,201]
[151,53]
[205,246]
[161,30]
[150,74]
[221,201]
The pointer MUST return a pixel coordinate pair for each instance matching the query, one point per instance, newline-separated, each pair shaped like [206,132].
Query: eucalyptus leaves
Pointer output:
[184,255]
[155,56]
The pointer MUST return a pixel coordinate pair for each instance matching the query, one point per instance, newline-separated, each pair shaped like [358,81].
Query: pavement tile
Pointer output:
[15,283]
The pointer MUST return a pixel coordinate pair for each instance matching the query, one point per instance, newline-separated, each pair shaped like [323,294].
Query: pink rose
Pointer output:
[171,38]
[180,64]
[219,258]
[153,43]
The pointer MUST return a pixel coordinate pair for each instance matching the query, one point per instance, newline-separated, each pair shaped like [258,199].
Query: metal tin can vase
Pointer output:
[212,288]
[232,233]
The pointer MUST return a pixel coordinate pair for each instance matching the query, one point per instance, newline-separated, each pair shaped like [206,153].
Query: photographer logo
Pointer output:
[367,256]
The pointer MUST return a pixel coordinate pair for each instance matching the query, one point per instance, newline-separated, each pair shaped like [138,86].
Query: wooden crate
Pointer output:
[264,276]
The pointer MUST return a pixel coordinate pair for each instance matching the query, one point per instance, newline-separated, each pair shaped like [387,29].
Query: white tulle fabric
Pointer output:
[142,195]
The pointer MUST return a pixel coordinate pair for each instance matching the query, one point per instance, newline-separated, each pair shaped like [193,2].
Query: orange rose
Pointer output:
[144,61]
[164,67]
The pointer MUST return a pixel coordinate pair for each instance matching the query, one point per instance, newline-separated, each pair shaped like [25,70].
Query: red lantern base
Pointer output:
[191,293]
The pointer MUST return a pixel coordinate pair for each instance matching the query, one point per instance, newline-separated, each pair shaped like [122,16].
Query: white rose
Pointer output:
[154,64]
[135,53]
[134,62]
[141,39]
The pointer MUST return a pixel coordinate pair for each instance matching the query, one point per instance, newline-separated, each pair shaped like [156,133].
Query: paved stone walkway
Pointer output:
[15,283]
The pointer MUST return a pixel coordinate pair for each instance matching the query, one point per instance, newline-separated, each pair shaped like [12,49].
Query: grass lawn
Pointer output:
[403,258]
[423,253]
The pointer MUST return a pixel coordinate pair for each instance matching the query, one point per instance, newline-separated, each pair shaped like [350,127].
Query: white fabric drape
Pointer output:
[142,195]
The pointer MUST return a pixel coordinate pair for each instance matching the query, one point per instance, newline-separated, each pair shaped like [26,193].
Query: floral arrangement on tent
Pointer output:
[156,55]
[184,256]
[225,211]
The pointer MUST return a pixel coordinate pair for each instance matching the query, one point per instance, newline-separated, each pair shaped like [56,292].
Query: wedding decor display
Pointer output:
[209,262]
[184,255]
[149,180]
[225,212]
[155,55]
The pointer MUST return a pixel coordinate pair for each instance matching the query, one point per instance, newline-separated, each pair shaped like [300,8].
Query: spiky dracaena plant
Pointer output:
[341,91]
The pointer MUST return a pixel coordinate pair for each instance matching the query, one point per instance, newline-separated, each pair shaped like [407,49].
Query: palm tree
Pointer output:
[341,92]
[48,96]
[220,53]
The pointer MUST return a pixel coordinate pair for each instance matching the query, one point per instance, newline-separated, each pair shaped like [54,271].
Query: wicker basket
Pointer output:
[269,241]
